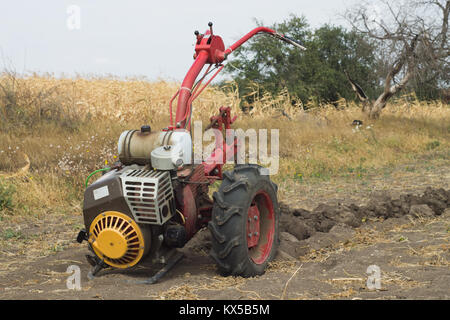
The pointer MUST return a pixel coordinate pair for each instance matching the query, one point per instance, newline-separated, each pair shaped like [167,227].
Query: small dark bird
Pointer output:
[357,123]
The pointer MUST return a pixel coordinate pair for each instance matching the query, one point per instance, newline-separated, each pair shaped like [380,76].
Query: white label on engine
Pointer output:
[101,192]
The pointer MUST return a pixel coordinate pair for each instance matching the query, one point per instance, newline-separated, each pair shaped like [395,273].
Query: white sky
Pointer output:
[135,37]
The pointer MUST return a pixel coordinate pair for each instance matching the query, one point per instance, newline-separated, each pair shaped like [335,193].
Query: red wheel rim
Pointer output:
[260,228]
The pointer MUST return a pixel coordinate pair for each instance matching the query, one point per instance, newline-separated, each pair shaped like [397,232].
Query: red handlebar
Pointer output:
[241,41]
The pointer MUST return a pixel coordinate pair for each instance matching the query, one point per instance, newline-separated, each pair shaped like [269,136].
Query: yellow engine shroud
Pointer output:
[117,239]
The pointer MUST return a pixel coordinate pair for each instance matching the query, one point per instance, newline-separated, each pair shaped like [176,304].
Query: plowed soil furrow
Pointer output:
[382,237]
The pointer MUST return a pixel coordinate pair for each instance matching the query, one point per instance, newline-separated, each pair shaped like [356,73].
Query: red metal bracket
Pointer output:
[214,163]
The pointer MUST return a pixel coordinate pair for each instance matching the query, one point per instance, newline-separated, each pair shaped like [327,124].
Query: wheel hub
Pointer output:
[253,232]
[260,227]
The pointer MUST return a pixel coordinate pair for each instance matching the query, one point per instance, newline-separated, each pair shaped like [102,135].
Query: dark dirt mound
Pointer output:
[302,230]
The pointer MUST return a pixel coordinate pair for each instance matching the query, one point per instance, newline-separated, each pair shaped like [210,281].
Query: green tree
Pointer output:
[317,73]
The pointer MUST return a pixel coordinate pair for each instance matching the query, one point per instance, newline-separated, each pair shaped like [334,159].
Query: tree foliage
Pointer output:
[317,73]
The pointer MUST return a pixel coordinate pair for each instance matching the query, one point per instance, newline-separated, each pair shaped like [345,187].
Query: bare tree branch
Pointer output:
[411,36]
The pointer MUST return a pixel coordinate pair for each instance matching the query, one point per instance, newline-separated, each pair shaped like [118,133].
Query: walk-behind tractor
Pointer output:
[156,198]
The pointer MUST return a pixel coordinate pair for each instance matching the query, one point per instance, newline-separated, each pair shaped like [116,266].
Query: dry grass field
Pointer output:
[67,128]
[54,132]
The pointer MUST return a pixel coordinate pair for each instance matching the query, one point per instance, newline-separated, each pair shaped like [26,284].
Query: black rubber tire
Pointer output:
[229,221]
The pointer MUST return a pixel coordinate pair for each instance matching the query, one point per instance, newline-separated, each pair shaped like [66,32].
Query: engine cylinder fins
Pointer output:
[118,240]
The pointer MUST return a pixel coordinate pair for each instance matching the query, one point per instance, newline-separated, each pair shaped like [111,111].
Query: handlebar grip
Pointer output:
[295,42]
[289,40]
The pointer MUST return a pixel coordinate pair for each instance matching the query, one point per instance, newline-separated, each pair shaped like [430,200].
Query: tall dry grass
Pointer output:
[99,100]
[70,127]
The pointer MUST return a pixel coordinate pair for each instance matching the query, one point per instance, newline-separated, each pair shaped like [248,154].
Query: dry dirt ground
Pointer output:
[332,231]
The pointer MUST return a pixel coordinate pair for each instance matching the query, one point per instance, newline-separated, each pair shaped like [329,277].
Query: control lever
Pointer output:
[210,24]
